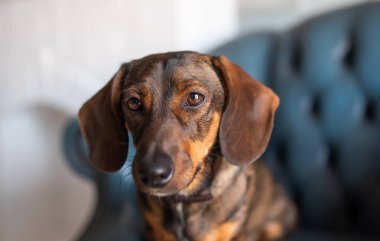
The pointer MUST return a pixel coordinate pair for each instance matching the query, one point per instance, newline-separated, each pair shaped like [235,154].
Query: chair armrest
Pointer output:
[75,150]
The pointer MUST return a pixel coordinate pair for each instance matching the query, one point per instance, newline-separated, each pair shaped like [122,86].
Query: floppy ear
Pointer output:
[102,125]
[248,116]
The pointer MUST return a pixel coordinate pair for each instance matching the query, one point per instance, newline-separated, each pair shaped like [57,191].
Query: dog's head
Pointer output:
[182,109]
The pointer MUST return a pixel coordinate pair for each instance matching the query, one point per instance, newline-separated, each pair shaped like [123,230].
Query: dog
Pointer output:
[199,124]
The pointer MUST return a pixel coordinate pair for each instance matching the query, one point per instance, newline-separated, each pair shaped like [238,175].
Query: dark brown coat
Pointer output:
[198,123]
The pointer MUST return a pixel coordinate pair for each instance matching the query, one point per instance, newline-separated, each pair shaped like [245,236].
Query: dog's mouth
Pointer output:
[195,197]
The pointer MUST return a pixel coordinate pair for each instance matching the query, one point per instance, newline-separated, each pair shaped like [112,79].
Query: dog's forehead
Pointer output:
[174,67]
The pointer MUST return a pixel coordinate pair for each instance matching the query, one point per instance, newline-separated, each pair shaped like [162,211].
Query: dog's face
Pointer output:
[172,105]
[175,105]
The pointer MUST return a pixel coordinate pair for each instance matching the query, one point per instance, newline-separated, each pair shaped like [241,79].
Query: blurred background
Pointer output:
[55,54]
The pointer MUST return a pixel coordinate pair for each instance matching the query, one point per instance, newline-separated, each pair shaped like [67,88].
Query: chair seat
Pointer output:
[317,235]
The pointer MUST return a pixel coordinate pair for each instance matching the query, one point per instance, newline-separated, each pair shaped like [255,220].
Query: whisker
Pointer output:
[124,179]
[125,168]
[211,161]
[128,181]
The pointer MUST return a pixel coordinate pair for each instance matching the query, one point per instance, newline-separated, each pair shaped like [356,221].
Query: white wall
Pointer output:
[52,47]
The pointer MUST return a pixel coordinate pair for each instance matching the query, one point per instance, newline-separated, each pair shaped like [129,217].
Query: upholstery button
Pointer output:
[296,58]
[349,53]
[282,153]
[316,107]
[333,156]
[370,111]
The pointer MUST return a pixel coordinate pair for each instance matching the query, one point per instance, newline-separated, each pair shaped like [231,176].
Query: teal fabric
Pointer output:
[326,142]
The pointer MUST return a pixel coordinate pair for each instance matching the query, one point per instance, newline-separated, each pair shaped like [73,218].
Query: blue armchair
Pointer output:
[326,143]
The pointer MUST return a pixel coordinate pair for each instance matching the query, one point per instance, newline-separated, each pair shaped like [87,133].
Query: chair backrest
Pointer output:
[326,142]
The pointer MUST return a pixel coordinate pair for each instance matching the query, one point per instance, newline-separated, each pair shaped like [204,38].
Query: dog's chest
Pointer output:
[194,223]
[179,223]
[189,222]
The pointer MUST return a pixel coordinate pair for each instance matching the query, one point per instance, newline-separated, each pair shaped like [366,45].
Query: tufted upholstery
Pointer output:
[326,143]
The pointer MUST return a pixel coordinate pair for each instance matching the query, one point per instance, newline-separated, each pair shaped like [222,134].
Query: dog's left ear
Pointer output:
[248,116]
[102,125]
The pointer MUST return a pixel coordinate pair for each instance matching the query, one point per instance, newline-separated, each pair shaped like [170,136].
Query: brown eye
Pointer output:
[194,99]
[134,104]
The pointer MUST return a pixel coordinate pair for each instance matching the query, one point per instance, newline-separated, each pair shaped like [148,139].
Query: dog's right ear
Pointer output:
[102,125]
[248,117]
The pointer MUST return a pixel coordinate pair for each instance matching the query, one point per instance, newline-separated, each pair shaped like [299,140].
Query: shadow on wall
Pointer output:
[41,198]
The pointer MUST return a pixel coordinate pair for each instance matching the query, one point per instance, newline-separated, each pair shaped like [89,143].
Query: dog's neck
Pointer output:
[202,206]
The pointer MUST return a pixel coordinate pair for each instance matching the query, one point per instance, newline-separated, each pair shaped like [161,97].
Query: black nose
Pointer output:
[156,172]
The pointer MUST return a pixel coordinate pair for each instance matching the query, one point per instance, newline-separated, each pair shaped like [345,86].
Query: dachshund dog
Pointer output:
[199,123]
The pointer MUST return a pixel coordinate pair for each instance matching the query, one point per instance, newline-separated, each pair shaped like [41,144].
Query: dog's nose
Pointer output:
[157,172]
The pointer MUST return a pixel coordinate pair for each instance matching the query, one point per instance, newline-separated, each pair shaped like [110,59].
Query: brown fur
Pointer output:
[215,193]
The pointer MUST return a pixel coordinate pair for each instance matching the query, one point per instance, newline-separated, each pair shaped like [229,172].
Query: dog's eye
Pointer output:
[194,99]
[134,104]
